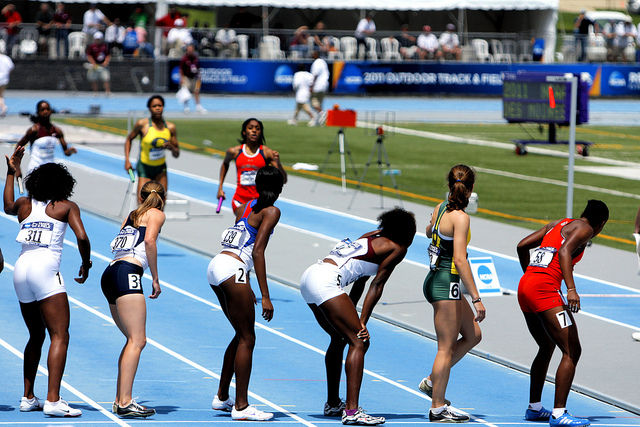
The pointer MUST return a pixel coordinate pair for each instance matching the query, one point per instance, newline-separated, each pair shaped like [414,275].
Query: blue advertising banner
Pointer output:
[360,77]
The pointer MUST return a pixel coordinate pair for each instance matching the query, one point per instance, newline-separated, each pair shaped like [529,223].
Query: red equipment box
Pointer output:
[341,118]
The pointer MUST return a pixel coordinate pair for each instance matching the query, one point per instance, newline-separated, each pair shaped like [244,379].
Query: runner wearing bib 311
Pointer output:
[250,156]
[557,247]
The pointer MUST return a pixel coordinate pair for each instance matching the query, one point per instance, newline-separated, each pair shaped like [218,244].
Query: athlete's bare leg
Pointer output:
[447,318]
[226,374]
[32,351]
[540,363]
[55,311]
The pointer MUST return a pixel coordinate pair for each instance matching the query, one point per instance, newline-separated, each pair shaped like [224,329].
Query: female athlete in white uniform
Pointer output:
[43,136]
[228,274]
[43,217]
[322,286]
[135,249]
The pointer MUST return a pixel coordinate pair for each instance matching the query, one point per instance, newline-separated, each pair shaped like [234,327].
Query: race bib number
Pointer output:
[241,275]
[156,153]
[346,248]
[235,237]
[37,233]
[542,257]
[434,255]
[125,240]
[135,282]
[564,320]
[248,177]
[454,290]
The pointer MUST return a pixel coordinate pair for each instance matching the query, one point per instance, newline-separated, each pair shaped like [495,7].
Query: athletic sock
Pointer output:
[350,412]
[557,412]
[438,410]
[535,406]
[429,383]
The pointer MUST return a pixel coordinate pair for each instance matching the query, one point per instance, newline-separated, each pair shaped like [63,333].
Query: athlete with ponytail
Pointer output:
[43,136]
[228,274]
[558,246]
[452,314]
[135,249]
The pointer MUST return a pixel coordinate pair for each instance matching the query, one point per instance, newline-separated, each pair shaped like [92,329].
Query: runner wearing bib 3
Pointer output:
[557,247]
[249,157]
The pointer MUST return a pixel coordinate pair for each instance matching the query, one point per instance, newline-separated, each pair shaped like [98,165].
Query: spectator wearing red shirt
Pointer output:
[166,22]
[12,23]
[190,77]
[99,58]
[62,24]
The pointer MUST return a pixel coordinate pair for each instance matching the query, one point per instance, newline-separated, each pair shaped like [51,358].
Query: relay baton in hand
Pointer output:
[20,185]
[220,199]
[131,175]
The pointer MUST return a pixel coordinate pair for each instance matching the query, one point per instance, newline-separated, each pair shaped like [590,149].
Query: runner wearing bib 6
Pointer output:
[134,250]
[43,217]
[243,247]
[156,136]
[452,314]
[249,157]
[376,253]
[557,247]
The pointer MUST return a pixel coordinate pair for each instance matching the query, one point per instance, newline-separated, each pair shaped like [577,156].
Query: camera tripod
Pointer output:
[343,149]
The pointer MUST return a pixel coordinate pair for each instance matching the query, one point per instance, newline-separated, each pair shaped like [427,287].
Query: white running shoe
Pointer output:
[250,413]
[200,109]
[312,123]
[360,418]
[220,405]
[292,122]
[60,409]
[28,405]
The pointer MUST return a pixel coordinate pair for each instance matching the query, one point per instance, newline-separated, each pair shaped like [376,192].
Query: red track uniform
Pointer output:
[539,288]
[246,168]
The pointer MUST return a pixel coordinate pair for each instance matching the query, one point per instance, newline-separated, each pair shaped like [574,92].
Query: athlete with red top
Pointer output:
[249,157]
[558,246]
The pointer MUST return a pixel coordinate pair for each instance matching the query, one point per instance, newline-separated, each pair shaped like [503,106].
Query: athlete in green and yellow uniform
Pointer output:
[156,135]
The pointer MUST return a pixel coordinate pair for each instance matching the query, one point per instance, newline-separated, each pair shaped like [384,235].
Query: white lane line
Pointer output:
[63,383]
[555,182]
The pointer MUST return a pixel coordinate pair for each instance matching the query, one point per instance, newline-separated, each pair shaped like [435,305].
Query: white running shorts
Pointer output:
[223,266]
[36,277]
[320,283]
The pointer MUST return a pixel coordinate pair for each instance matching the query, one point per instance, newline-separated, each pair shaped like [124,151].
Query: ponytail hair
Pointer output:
[460,179]
[153,196]
[269,182]
[596,212]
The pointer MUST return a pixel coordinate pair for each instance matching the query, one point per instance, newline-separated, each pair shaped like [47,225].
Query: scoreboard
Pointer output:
[542,98]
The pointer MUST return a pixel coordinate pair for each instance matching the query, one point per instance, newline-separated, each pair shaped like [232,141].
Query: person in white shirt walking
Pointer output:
[6,65]
[319,87]
[302,82]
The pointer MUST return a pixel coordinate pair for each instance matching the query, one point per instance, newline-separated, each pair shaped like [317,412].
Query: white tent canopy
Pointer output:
[415,5]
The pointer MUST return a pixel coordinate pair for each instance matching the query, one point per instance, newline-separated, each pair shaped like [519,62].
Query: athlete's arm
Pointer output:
[274,157]
[432,222]
[67,150]
[155,219]
[11,206]
[224,168]
[460,234]
[270,218]
[137,130]
[84,246]
[577,237]
[533,240]
[173,143]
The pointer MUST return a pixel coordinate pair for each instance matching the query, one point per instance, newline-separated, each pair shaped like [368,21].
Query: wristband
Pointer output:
[476,300]
[571,289]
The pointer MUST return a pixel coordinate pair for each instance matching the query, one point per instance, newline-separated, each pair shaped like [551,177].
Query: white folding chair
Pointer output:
[77,44]
[525,51]
[349,46]
[481,50]
[390,49]
[372,50]
[498,51]
[336,53]
[243,45]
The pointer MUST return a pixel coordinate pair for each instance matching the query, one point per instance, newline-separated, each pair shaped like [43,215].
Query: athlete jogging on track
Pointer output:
[156,136]
[375,253]
[43,137]
[560,245]
[249,157]
[228,274]
[135,249]
[43,217]
[452,314]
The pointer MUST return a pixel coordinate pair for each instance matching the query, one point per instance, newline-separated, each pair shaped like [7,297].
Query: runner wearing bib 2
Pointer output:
[557,247]
[40,288]
[134,250]
[156,136]
[243,247]
[376,253]
[452,314]
[249,157]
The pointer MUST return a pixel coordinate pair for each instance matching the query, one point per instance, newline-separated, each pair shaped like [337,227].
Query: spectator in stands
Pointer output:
[449,44]
[190,77]
[428,45]
[581,32]
[179,36]
[114,36]
[94,20]
[139,18]
[226,42]
[12,21]
[44,22]
[320,39]
[167,21]
[130,43]
[366,28]
[6,65]
[537,49]
[62,24]
[98,66]
[300,41]
[407,43]
[143,45]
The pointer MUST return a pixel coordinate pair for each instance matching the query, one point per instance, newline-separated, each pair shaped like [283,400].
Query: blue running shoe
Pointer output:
[567,420]
[541,415]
